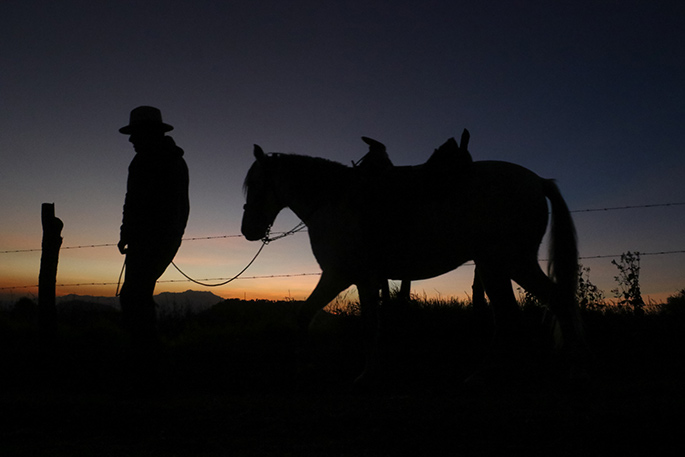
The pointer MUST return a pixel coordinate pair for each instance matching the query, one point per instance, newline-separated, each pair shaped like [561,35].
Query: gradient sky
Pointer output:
[590,93]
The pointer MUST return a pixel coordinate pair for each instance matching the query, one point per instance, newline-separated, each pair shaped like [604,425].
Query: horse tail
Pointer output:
[563,246]
[563,270]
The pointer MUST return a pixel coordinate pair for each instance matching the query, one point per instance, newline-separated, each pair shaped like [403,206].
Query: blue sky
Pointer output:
[590,93]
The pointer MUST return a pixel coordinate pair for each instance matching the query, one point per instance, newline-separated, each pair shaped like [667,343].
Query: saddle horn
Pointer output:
[465,136]
[373,144]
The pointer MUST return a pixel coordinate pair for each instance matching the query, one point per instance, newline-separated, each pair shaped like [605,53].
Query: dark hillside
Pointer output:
[239,379]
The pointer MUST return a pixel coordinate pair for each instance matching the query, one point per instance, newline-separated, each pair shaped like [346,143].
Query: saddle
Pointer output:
[451,155]
[376,159]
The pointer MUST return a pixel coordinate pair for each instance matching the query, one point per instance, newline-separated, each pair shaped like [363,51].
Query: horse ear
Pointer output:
[259,153]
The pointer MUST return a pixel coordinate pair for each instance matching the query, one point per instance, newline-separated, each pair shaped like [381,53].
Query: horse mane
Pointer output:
[316,173]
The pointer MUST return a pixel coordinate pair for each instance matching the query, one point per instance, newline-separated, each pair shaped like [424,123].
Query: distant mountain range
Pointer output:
[191,300]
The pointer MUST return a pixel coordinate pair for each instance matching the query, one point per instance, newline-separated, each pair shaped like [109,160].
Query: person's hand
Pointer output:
[122,246]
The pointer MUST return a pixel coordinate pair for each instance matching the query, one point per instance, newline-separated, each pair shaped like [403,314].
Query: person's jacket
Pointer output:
[157,205]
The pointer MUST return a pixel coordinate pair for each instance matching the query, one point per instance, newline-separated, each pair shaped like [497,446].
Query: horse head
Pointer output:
[262,203]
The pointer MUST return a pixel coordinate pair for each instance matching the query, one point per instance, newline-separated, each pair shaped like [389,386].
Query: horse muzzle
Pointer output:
[253,232]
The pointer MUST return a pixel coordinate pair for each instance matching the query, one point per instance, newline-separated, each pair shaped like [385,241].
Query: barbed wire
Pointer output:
[106,245]
[301,228]
[641,253]
[294,275]
[216,237]
[167,281]
[654,205]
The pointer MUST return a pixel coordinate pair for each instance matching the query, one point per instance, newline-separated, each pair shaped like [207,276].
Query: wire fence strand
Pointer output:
[614,208]
[294,275]
[301,228]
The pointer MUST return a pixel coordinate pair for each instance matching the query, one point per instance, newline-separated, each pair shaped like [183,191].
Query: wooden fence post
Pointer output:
[47,279]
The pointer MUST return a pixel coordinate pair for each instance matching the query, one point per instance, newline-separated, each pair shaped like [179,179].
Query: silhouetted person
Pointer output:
[155,216]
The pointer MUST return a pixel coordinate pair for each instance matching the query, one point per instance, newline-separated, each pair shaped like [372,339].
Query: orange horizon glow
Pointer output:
[298,292]
[95,272]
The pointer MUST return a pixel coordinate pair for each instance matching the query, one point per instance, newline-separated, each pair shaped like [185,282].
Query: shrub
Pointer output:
[25,309]
[589,295]
[675,304]
[628,279]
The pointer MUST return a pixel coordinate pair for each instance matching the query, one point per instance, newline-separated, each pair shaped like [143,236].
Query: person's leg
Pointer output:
[137,306]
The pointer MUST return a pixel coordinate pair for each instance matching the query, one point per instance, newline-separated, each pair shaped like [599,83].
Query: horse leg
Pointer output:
[369,303]
[403,294]
[385,290]
[497,285]
[405,290]
[478,295]
[504,357]
[565,308]
[328,287]
[567,313]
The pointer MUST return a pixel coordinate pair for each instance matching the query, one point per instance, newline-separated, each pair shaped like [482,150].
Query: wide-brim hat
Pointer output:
[145,118]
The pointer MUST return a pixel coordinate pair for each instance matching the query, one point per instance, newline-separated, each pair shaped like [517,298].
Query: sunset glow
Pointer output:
[589,94]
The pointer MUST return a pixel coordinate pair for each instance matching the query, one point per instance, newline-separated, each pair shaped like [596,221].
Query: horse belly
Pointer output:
[428,244]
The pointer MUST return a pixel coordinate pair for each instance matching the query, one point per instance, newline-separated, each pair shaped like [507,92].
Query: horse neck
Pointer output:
[305,184]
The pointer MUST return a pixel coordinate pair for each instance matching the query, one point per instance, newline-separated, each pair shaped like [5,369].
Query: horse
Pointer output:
[418,222]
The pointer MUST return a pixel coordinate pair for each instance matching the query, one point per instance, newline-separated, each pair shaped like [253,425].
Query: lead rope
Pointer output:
[266,240]
[299,227]
[123,267]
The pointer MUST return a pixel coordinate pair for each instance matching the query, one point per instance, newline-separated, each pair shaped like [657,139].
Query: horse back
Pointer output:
[505,199]
[444,217]
[484,191]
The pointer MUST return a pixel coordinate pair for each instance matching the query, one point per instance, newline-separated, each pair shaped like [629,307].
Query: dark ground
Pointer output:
[239,381]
